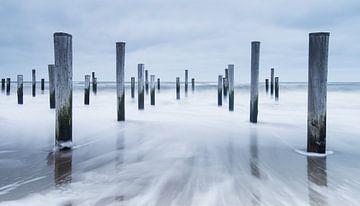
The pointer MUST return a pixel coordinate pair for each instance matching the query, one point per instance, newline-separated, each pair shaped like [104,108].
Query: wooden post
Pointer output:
[33,83]
[140,86]
[276,88]
[231,87]
[2,84]
[147,81]
[152,90]
[132,87]
[186,81]
[87,90]
[267,85]
[120,80]
[8,82]
[51,68]
[254,88]
[317,91]
[20,89]
[272,82]
[42,84]
[93,80]
[177,87]
[63,88]
[193,84]
[226,82]
[220,86]
[95,85]
[158,84]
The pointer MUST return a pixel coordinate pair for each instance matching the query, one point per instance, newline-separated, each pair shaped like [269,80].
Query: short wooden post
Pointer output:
[317,91]
[2,84]
[42,84]
[87,90]
[177,87]
[51,69]
[140,86]
[132,87]
[272,81]
[120,80]
[267,85]
[186,81]
[158,84]
[231,87]
[220,86]
[8,82]
[225,86]
[33,82]
[20,89]
[254,88]
[152,90]
[276,88]
[63,88]
[193,84]
[147,81]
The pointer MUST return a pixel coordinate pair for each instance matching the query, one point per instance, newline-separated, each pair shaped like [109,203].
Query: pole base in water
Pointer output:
[60,145]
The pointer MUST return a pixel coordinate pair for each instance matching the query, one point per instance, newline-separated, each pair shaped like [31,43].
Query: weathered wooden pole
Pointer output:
[51,68]
[140,86]
[93,80]
[220,86]
[20,89]
[231,87]
[63,88]
[132,87]
[158,84]
[317,91]
[186,81]
[267,85]
[42,85]
[152,89]
[177,87]
[254,87]
[147,81]
[33,82]
[95,85]
[2,84]
[272,81]
[120,80]
[276,88]
[87,90]
[193,84]
[225,86]
[8,82]
[226,82]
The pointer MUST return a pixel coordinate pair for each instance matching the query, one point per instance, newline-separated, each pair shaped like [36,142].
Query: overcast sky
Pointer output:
[169,36]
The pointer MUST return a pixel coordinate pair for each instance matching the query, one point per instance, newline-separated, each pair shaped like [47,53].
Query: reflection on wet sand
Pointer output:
[317,178]
[62,167]
[255,171]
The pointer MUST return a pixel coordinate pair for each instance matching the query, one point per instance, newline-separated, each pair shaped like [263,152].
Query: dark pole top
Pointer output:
[319,34]
[120,43]
[62,34]
[255,42]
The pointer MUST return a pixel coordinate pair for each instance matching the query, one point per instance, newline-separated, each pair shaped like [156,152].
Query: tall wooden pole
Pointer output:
[158,84]
[226,82]
[20,89]
[317,91]
[276,88]
[267,85]
[132,85]
[63,88]
[120,80]
[193,84]
[8,86]
[220,85]
[140,86]
[147,81]
[254,88]
[2,84]
[231,87]
[186,81]
[272,81]
[51,69]
[87,90]
[177,87]
[33,82]
[152,90]
[42,85]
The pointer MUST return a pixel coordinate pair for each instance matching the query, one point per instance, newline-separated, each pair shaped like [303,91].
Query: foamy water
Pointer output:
[187,152]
